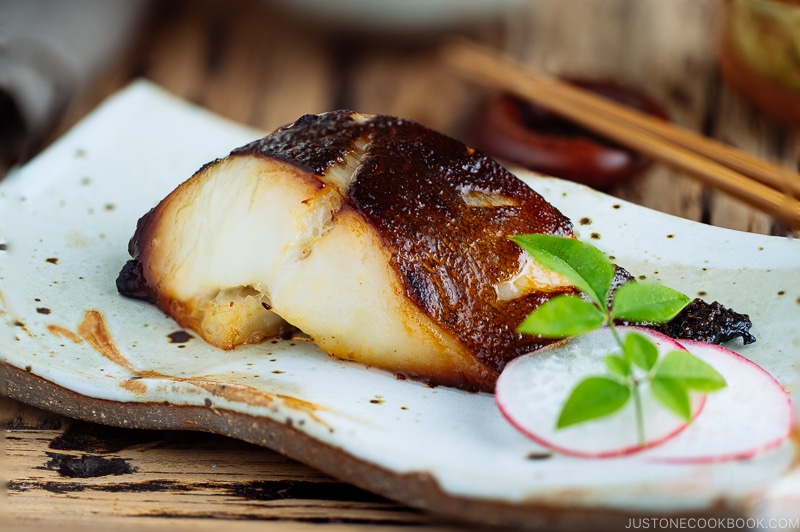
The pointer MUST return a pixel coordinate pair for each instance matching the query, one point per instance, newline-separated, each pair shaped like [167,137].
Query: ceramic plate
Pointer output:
[71,344]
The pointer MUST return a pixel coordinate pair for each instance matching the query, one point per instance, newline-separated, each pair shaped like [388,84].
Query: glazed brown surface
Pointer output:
[448,254]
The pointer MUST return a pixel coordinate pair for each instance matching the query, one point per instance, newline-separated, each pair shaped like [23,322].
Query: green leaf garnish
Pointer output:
[647,302]
[639,350]
[673,395]
[592,398]
[671,379]
[618,366]
[562,316]
[690,371]
[584,265]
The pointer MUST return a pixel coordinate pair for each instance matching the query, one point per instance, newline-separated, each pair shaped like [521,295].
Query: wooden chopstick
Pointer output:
[754,181]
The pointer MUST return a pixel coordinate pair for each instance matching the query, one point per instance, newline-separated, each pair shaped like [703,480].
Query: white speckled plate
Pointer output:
[71,344]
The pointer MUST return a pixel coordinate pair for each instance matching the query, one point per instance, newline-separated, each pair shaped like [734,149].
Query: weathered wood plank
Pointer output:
[739,124]
[89,470]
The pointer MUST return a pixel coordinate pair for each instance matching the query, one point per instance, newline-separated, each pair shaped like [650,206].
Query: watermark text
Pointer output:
[716,523]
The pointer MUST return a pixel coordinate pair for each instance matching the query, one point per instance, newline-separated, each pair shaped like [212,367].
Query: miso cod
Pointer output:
[384,241]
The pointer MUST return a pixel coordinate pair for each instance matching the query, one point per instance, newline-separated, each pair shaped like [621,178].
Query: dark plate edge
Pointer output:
[417,490]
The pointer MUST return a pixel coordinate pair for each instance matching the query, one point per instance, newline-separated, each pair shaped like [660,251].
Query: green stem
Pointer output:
[637,403]
[637,397]
[615,334]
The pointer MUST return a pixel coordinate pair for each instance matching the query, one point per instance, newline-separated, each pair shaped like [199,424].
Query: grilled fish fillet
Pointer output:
[384,241]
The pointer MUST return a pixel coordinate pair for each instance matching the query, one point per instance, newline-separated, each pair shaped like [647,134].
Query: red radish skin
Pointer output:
[736,423]
[534,411]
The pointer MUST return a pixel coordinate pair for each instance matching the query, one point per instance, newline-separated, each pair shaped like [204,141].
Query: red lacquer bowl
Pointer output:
[528,135]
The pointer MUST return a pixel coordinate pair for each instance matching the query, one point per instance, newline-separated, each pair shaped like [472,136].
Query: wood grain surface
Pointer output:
[259,65]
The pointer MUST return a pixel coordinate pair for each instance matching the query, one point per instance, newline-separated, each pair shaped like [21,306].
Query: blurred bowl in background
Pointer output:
[410,17]
[528,135]
[760,54]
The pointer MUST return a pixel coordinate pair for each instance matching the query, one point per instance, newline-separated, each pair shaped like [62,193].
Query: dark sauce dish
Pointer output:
[528,135]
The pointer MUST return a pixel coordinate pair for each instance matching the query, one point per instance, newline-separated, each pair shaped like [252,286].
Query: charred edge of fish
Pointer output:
[710,323]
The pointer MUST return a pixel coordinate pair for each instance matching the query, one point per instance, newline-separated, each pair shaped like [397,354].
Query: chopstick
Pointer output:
[769,188]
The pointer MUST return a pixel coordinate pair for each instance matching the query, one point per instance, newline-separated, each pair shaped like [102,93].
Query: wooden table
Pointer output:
[256,64]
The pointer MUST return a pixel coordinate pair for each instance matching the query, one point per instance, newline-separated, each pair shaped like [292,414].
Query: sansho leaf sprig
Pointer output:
[670,377]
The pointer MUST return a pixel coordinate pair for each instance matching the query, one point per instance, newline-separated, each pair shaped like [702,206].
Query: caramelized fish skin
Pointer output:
[410,187]
[439,213]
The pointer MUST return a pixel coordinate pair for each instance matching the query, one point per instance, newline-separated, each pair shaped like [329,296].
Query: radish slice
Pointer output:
[533,388]
[750,415]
